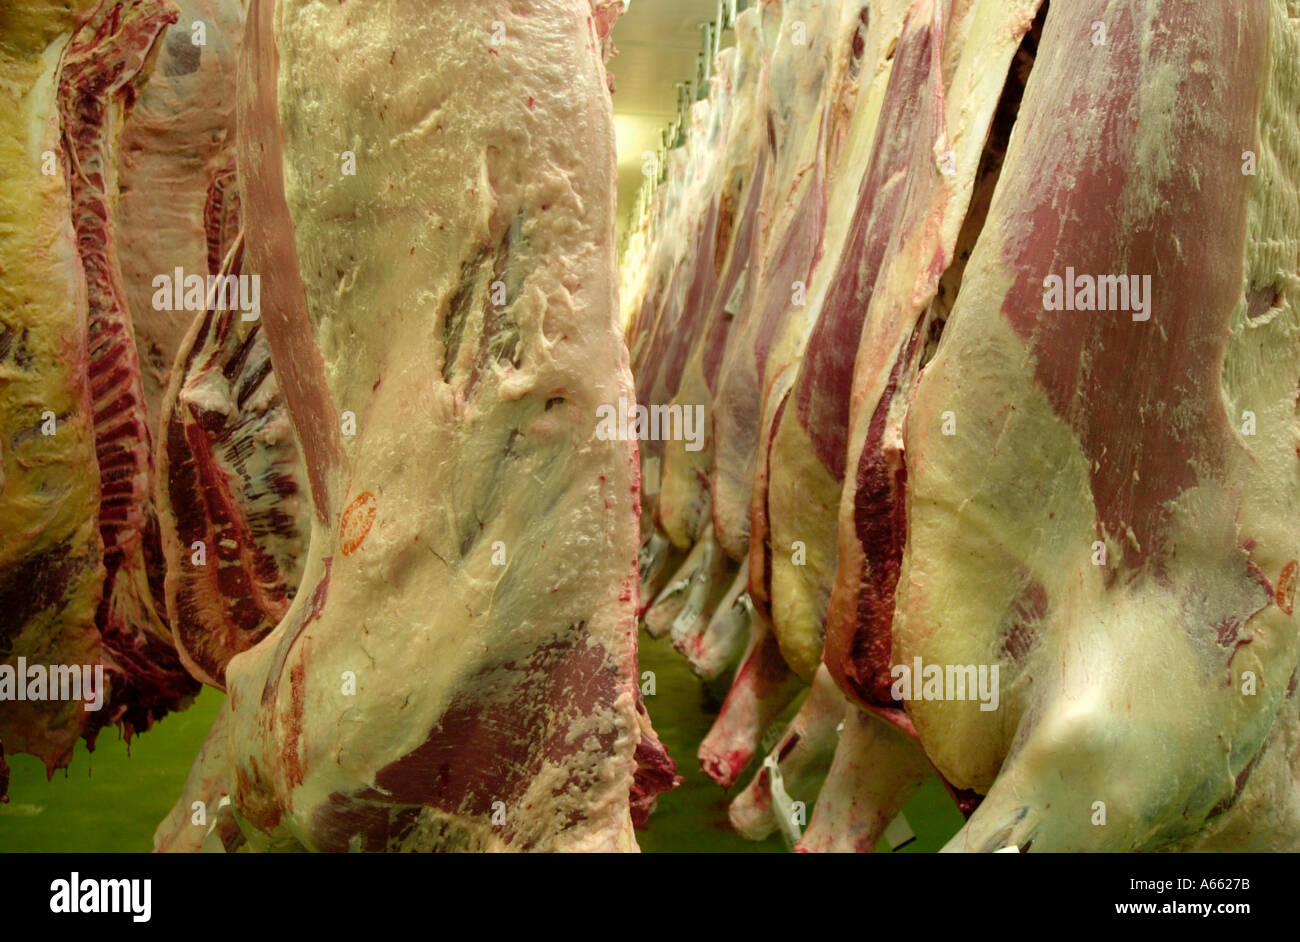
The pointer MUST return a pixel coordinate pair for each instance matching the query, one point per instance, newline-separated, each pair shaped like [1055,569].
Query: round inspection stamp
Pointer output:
[358,518]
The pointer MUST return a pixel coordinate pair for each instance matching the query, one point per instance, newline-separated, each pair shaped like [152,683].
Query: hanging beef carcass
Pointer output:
[682,507]
[81,562]
[685,595]
[767,334]
[1111,523]
[718,618]
[232,499]
[416,694]
[178,207]
[765,348]
[685,305]
[682,609]
[51,570]
[98,83]
[786,536]
[940,129]
[910,267]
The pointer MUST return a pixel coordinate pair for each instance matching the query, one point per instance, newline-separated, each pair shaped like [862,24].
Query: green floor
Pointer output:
[112,801]
[107,800]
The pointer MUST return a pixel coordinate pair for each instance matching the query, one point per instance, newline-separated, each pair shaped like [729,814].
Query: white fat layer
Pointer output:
[39,101]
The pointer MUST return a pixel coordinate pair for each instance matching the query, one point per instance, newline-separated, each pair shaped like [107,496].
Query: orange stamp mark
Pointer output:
[1285,593]
[358,518]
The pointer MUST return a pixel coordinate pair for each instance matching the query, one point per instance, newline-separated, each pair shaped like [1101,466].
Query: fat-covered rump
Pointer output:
[1099,525]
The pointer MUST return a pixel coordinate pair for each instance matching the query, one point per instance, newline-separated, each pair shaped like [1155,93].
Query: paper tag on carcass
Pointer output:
[734,620]
[732,307]
[696,599]
[212,843]
[670,590]
[899,833]
[782,804]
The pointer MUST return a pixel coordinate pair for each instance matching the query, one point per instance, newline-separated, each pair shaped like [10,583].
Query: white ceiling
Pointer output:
[657,41]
